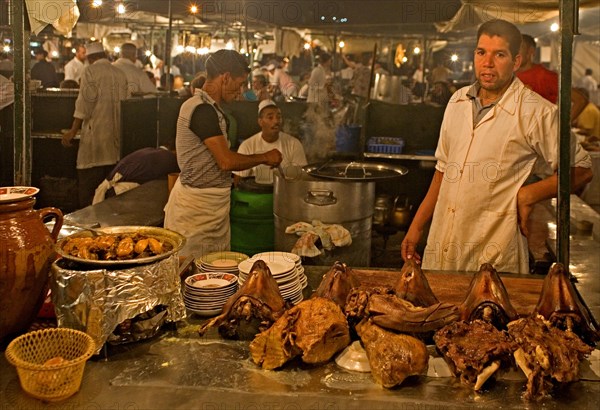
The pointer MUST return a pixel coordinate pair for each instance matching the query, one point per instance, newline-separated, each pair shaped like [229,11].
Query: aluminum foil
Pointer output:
[97,300]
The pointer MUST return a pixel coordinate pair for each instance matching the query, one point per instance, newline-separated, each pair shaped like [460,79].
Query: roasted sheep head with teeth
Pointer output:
[252,309]
[546,354]
[561,305]
[337,284]
[413,285]
[474,350]
[487,299]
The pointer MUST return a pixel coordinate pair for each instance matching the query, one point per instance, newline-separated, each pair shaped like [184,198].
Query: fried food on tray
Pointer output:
[115,247]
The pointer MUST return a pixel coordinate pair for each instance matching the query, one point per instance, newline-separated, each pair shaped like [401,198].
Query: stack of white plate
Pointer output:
[284,272]
[224,261]
[275,255]
[206,293]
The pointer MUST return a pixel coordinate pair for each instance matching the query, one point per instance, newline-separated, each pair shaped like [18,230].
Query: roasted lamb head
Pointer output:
[546,354]
[487,299]
[337,284]
[393,357]
[474,350]
[560,304]
[252,309]
[316,329]
[413,285]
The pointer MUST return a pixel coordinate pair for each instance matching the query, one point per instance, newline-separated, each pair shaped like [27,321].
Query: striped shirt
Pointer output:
[199,169]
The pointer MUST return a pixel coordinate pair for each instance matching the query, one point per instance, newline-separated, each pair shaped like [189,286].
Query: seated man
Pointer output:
[270,137]
[141,166]
[584,114]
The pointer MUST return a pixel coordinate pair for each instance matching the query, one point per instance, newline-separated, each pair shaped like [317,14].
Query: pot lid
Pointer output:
[355,170]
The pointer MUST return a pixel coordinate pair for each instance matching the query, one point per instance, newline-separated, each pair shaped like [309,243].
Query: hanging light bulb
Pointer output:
[554,27]
[6,48]
[120,8]
[342,44]
[117,49]
[307,46]
[148,53]
[417,50]
[96,3]
[454,58]
[193,9]
[229,45]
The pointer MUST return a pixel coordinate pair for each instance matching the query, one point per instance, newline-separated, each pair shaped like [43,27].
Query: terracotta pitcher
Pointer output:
[26,253]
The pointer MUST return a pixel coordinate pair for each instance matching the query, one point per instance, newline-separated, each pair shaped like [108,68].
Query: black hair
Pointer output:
[504,29]
[324,57]
[226,61]
[528,40]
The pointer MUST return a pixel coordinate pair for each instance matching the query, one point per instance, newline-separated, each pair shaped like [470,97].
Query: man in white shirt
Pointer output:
[74,68]
[137,79]
[270,137]
[587,82]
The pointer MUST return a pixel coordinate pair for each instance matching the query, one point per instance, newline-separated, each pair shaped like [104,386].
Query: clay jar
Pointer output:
[26,253]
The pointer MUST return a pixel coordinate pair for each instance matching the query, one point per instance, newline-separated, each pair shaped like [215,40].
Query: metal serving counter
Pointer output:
[181,370]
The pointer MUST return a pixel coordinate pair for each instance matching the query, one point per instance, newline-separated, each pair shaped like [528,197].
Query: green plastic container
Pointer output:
[252,222]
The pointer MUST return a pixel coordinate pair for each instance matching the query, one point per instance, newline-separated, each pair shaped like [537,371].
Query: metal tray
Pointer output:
[355,171]
[175,239]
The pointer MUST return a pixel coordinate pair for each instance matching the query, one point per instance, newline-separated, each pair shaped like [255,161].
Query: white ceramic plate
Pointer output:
[17,193]
[207,312]
[211,280]
[277,255]
[208,259]
[277,268]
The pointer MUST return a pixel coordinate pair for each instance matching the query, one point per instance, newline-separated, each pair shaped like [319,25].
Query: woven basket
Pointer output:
[50,362]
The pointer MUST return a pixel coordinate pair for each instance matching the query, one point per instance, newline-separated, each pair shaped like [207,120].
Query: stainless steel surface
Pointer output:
[355,171]
[389,88]
[140,206]
[180,370]
[174,239]
[347,203]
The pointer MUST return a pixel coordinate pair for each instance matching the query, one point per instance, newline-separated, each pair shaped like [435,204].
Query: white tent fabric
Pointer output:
[474,12]
[63,15]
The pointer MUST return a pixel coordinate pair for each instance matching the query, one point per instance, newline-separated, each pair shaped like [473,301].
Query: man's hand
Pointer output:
[524,208]
[409,244]
[67,138]
[273,157]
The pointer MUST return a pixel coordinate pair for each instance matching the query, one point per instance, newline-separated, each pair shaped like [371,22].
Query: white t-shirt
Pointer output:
[74,69]
[290,148]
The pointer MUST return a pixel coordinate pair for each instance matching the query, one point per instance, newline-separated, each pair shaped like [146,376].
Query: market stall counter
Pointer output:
[179,369]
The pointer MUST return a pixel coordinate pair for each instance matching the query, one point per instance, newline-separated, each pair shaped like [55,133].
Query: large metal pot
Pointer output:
[347,203]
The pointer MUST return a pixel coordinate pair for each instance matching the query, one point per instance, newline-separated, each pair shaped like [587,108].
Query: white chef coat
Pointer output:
[475,218]
[291,149]
[99,106]
[137,79]
[74,69]
[317,93]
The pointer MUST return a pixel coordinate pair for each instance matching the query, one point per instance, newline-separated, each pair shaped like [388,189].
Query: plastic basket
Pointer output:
[385,145]
[31,353]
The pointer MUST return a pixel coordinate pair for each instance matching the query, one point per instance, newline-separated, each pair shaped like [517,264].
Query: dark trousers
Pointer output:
[88,181]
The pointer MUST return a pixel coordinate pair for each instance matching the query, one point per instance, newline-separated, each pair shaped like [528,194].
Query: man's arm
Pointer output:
[232,161]
[423,215]
[531,194]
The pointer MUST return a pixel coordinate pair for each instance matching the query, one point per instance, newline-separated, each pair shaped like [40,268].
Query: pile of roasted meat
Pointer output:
[112,247]
[478,338]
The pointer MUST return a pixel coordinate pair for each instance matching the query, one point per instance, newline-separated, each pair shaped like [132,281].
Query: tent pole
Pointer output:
[568,19]
[22,105]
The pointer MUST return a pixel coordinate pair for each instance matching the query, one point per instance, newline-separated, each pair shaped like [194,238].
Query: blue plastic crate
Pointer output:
[385,145]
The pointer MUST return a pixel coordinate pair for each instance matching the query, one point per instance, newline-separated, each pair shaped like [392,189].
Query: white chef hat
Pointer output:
[264,104]
[94,48]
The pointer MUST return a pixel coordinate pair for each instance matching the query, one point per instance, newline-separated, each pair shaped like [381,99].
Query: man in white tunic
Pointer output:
[270,137]
[137,79]
[492,134]
[74,68]
[98,114]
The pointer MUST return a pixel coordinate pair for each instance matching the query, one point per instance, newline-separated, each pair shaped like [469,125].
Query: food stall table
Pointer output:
[179,369]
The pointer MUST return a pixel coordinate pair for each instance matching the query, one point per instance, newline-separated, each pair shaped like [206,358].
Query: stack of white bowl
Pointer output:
[224,261]
[206,293]
[285,267]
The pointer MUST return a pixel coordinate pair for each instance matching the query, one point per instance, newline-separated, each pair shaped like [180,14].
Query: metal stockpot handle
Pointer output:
[320,197]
